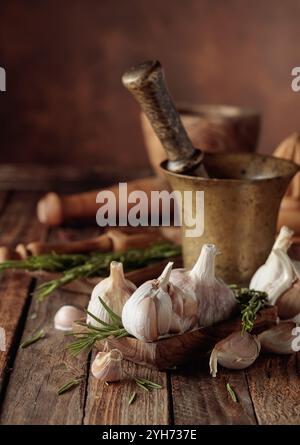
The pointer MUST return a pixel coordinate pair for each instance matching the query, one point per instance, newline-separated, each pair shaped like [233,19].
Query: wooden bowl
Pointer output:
[212,128]
[179,349]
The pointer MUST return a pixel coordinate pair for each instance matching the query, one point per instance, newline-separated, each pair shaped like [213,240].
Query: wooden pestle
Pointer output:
[147,84]
[54,210]
[112,240]
[8,253]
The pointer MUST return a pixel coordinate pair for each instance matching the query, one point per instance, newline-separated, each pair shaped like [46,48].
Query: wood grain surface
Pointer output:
[267,393]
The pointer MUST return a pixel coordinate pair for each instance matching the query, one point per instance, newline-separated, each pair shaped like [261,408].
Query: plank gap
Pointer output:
[170,398]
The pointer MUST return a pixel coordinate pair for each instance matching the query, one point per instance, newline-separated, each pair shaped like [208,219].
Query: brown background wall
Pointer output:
[64,59]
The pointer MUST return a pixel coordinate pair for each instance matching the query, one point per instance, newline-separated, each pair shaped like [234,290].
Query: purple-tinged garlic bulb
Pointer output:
[114,291]
[216,301]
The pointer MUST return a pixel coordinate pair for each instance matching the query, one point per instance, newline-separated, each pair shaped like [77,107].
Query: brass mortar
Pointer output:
[241,204]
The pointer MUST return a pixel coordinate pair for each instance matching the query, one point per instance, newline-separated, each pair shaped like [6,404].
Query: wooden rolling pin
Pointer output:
[54,210]
[112,240]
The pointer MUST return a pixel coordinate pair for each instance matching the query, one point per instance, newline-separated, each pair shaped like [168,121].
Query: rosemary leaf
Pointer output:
[132,398]
[251,302]
[141,386]
[113,316]
[147,385]
[76,266]
[38,336]
[96,318]
[68,386]
[231,393]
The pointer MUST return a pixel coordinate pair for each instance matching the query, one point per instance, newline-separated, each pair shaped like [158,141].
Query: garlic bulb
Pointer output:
[66,316]
[148,312]
[107,366]
[278,339]
[184,310]
[114,291]
[216,301]
[237,351]
[280,277]
[277,274]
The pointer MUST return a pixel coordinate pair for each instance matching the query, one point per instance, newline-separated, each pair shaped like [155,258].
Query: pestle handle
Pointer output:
[147,84]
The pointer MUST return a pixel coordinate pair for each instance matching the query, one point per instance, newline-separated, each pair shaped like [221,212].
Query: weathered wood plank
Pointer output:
[40,369]
[108,405]
[274,383]
[13,296]
[17,222]
[202,400]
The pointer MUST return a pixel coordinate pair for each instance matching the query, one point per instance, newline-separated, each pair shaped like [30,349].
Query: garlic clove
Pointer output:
[107,366]
[66,316]
[288,303]
[237,351]
[184,310]
[278,339]
[114,290]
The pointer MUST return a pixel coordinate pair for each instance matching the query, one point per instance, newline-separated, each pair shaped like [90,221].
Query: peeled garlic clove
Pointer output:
[278,339]
[107,366]
[114,291]
[66,316]
[237,351]
[278,273]
[147,313]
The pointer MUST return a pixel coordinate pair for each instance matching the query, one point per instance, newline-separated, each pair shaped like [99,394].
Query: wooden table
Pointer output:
[268,392]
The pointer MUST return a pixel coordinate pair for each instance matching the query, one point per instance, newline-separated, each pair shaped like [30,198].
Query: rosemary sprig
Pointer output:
[98,264]
[146,385]
[40,334]
[231,393]
[50,262]
[132,398]
[251,302]
[68,386]
[86,340]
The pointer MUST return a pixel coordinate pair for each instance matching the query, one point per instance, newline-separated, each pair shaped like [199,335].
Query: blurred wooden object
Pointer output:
[212,128]
[289,214]
[54,210]
[112,240]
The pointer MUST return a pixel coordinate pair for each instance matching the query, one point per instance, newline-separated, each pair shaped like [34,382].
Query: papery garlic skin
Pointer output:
[216,301]
[147,314]
[278,273]
[278,339]
[114,291]
[237,351]
[66,316]
[184,310]
[107,366]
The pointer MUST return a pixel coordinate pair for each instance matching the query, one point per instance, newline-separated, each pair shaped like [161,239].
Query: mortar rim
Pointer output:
[237,180]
